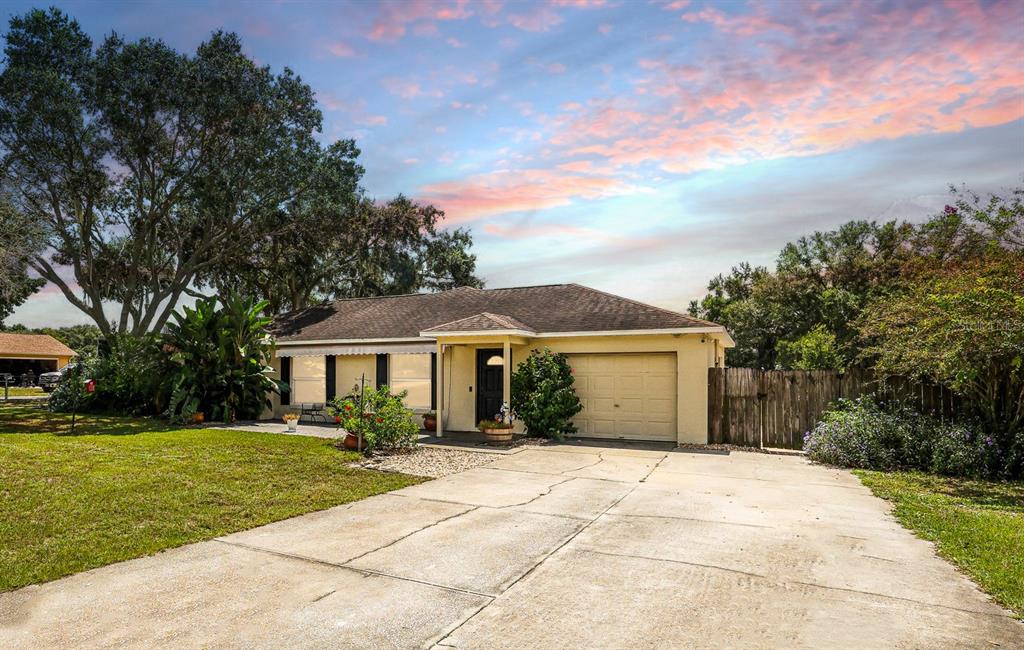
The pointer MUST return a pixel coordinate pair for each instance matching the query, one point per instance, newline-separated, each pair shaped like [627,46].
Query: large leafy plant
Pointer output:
[543,396]
[219,358]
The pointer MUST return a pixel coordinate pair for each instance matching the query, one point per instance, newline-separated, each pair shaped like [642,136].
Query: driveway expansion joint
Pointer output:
[656,465]
[539,563]
[785,583]
[345,567]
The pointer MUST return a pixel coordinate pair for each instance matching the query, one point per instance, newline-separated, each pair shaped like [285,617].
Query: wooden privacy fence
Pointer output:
[775,408]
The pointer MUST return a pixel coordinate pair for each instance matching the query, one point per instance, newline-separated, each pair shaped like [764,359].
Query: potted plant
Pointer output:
[430,421]
[198,417]
[498,430]
[292,420]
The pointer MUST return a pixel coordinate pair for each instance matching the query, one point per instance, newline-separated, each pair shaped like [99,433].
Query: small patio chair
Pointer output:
[314,412]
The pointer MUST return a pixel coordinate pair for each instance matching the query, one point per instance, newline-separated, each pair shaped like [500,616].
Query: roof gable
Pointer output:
[482,322]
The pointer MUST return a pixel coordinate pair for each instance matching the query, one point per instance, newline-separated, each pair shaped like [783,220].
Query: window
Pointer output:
[411,372]
[309,380]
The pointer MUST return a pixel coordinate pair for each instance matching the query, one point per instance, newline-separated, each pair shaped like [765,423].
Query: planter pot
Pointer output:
[352,442]
[198,418]
[497,436]
[292,425]
[430,422]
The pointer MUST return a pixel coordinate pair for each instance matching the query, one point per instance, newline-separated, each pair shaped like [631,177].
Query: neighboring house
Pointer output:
[640,371]
[38,353]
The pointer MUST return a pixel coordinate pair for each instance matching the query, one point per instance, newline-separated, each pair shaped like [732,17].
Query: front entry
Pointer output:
[490,380]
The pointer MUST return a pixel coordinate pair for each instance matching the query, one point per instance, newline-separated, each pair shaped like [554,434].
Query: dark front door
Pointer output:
[489,385]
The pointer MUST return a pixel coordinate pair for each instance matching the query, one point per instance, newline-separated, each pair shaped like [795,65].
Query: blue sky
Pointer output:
[637,147]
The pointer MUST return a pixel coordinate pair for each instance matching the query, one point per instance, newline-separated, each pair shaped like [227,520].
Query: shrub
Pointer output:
[128,374]
[71,390]
[856,434]
[543,396]
[380,417]
[862,434]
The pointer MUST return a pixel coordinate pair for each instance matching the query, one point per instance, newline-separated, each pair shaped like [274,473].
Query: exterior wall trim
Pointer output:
[407,339]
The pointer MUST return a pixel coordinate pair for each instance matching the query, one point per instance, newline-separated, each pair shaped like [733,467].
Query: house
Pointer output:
[640,371]
[38,353]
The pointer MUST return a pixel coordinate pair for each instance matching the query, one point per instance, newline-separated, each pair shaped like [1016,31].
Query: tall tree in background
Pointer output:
[154,173]
[804,314]
[145,166]
[351,248]
[21,239]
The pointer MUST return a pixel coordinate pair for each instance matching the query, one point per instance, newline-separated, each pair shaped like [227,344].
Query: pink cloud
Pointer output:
[372,120]
[538,19]
[794,83]
[580,4]
[517,191]
[407,89]
[341,49]
[555,68]
[454,42]
[605,29]
[394,18]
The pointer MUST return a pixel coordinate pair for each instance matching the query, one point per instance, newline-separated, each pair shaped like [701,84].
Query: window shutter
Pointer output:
[382,370]
[286,378]
[332,382]
[433,381]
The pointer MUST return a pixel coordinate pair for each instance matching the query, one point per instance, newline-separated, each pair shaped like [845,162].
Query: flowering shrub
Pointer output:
[856,434]
[860,433]
[380,417]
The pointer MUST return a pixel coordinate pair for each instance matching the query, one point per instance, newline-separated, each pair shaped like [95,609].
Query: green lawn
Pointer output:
[18,391]
[977,525]
[121,488]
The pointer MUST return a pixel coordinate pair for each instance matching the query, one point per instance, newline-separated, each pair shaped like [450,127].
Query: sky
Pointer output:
[632,146]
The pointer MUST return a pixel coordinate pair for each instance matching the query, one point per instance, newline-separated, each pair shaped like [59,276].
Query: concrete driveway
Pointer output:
[557,547]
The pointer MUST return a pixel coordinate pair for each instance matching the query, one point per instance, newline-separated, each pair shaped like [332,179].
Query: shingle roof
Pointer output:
[482,322]
[42,345]
[550,308]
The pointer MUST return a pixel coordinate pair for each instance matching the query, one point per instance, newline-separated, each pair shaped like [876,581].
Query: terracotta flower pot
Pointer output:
[198,418]
[430,422]
[351,442]
[497,436]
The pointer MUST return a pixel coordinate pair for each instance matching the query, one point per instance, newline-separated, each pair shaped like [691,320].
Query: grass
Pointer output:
[120,488]
[977,525]
[19,391]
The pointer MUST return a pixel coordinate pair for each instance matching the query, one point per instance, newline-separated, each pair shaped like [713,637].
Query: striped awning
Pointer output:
[380,348]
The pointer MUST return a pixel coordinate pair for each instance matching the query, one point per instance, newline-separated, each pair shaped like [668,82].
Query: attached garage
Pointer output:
[626,396]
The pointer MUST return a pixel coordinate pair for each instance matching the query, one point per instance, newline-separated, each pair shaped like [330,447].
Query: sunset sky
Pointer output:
[636,147]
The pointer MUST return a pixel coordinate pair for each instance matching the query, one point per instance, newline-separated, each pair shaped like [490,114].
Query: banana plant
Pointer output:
[220,350]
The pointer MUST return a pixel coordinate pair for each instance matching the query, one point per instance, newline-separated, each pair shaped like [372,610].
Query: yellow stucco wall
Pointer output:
[693,358]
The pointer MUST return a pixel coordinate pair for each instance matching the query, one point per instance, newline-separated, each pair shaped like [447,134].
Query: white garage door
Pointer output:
[631,396]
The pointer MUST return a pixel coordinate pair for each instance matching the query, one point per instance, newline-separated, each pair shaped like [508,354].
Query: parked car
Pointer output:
[49,380]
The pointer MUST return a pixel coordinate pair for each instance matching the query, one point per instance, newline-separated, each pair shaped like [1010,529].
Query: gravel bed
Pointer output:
[427,461]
